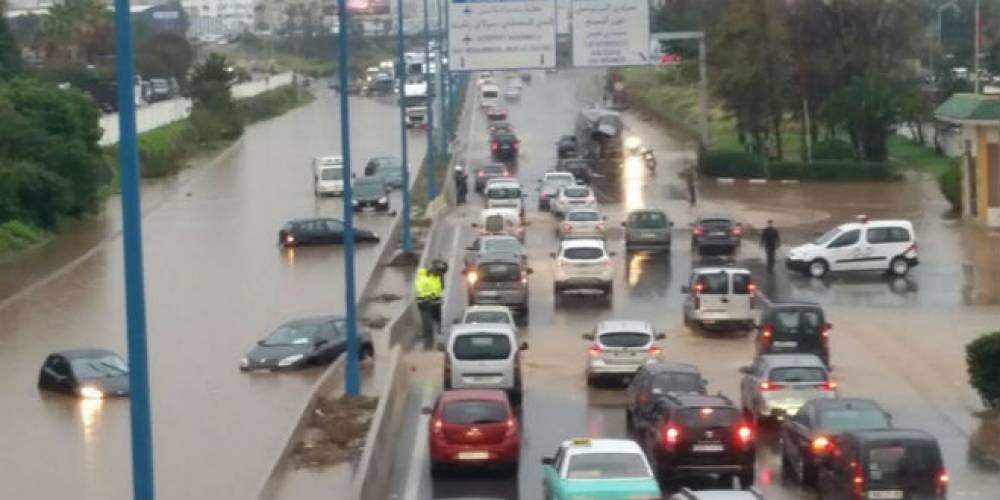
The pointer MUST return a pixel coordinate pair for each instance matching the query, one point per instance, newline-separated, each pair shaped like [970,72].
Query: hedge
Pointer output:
[739,164]
[982,357]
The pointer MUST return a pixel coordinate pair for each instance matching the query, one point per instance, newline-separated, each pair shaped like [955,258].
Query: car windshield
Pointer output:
[487,317]
[576,192]
[827,237]
[503,193]
[797,374]
[797,321]
[501,245]
[625,339]
[474,412]
[648,220]
[717,224]
[499,272]
[332,174]
[707,417]
[607,466]
[102,366]
[481,346]
[849,419]
[583,217]
[369,189]
[292,335]
[583,253]
[665,383]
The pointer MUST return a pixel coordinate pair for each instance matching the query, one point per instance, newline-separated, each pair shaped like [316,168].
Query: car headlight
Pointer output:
[383,200]
[91,393]
[354,202]
[244,363]
[290,360]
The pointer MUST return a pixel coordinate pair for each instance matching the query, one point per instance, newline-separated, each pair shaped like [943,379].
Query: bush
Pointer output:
[950,182]
[833,149]
[162,150]
[32,193]
[728,163]
[983,359]
[16,235]
[272,103]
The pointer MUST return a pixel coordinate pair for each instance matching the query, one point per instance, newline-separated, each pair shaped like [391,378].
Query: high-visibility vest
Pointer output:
[428,285]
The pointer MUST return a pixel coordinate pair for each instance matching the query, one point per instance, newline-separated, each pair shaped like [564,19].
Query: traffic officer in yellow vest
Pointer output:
[430,294]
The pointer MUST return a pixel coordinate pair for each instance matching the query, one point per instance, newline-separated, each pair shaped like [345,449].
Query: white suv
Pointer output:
[619,348]
[484,356]
[504,193]
[583,265]
[877,245]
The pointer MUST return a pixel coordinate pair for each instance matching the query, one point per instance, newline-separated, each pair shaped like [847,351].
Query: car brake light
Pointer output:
[751,288]
[697,231]
[506,173]
[595,350]
[699,287]
[828,385]
[671,435]
[942,483]
[438,426]
[607,262]
[567,227]
[511,427]
[858,482]
[472,278]
[820,444]
[600,227]
[825,333]
[737,230]
[745,434]
[482,173]
[493,146]
[770,386]
[655,350]
[289,238]
[766,333]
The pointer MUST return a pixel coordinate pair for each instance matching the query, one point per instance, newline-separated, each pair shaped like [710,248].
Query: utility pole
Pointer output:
[403,141]
[978,47]
[430,164]
[442,81]
[352,376]
[140,418]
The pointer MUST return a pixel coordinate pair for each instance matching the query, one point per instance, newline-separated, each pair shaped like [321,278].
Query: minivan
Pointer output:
[495,221]
[794,327]
[504,193]
[389,168]
[489,96]
[883,464]
[484,356]
[719,297]
[866,245]
[328,175]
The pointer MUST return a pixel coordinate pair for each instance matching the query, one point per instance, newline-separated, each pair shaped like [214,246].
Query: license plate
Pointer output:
[473,455]
[786,343]
[489,293]
[717,233]
[707,448]
[885,494]
[649,235]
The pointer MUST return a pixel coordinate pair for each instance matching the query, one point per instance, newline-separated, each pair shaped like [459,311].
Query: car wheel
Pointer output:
[746,478]
[629,426]
[899,266]
[516,396]
[806,472]
[438,469]
[522,319]
[818,268]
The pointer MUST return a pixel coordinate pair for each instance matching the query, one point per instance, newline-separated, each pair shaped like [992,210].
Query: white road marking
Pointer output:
[413,475]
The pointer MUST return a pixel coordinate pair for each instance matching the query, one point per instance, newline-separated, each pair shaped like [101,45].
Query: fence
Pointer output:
[164,112]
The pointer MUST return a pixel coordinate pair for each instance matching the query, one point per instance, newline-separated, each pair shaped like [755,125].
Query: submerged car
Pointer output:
[319,231]
[370,192]
[304,342]
[86,373]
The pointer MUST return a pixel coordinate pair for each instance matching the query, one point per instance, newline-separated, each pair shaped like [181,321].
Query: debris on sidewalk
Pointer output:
[335,433]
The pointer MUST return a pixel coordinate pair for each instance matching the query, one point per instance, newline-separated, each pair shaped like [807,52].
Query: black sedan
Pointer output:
[808,436]
[319,231]
[370,192]
[86,373]
[302,343]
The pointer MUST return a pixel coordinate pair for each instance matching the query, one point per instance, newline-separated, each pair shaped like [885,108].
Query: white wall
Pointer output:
[164,112]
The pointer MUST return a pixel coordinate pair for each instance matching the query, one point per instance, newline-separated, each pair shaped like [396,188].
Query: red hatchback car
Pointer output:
[473,428]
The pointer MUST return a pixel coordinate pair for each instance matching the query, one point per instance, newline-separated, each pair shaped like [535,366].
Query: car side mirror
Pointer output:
[260,342]
[671,224]
[427,410]
[612,254]
[745,370]
[685,289]
[475,225]
[524,346]
[552,254]
[660,336]
[587,336]
[829,325]
[529,270]
[548,461]
[456,321]
[624,224]
[604,217]
[464,271]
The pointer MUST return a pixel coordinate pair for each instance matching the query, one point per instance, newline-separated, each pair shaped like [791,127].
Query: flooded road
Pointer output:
[899,343]
[215,284]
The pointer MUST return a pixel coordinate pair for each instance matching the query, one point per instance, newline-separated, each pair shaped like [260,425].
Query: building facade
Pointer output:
[978,116]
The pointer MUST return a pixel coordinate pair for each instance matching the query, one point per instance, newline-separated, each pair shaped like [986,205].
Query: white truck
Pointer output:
[415,100]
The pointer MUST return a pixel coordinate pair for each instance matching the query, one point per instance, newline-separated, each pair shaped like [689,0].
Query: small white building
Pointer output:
[219,17]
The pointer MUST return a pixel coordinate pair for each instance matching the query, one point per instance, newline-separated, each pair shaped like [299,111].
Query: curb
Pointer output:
[754,180]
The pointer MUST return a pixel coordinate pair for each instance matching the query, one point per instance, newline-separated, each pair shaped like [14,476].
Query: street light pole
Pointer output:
[442,81]
[430,164]
[140,419]
[352,377]
[978,47]
[403,141]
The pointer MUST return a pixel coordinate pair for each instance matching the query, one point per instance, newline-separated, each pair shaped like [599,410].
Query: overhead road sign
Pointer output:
[608,33]
[501,34]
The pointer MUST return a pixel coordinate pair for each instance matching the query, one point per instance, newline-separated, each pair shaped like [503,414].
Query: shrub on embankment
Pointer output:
[983,359]
[739,164]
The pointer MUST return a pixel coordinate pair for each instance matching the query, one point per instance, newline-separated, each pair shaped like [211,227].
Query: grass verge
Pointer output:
[16,235]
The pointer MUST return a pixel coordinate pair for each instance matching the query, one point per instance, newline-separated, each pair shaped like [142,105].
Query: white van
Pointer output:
[497,221]
[505,193]
[877,245]
[484,356]
[328,175]
[489,96]
[720,297]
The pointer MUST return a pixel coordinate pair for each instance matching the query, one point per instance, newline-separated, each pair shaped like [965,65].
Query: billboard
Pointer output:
[367,7]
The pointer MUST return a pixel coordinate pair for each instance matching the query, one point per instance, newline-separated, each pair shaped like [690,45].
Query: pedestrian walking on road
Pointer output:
[770,240]
[461,185]
[689,179]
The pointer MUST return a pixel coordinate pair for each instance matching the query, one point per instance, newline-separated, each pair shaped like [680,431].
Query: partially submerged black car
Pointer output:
[302,343]
[86,373]
[319,231]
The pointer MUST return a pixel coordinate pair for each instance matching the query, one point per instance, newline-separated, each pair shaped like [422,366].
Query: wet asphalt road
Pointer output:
[898,341]
[215,284]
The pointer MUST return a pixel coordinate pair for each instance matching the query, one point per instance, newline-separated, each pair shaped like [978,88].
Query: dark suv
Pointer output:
[566,146]
[884,464]
[794,327]
[500,279]
[653,382]
[581,168]
[647,229]
[504,146]
[699,434]
[716,234]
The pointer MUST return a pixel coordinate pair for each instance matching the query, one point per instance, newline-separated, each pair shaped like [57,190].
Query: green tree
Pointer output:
[75,32]
[210,84]
[10,55]
[165,54]
[31,193]
[868,108]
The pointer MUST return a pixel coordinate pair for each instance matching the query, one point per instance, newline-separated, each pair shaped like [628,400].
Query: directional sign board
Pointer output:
[610,33]
[501,34]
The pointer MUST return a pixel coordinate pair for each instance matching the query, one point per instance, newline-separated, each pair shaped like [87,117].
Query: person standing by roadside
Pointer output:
[461,185]
[770,240]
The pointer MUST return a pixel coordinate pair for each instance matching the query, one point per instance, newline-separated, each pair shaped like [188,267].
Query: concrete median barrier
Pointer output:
[371,478]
